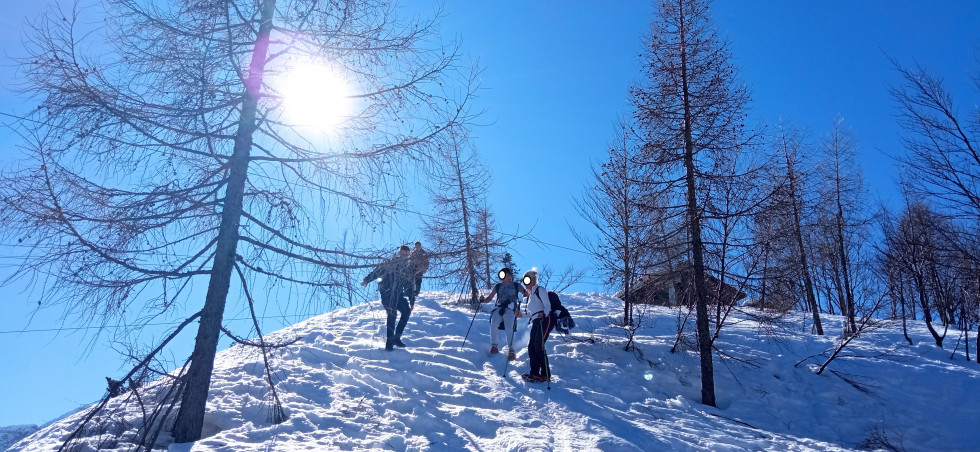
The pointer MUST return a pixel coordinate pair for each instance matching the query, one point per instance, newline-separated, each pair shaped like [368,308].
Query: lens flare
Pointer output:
[315,96]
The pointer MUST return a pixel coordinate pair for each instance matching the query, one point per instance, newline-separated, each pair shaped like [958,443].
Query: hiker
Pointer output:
[538,308]
[506,310]
[420,264]
[395,286]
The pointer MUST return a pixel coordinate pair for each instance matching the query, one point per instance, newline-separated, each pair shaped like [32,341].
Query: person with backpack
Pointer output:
[560,319]
[505,311]
[396,286]
[539,310]
[419,260]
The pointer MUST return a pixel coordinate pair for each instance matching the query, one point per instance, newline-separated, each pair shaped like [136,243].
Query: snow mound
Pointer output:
[343,391]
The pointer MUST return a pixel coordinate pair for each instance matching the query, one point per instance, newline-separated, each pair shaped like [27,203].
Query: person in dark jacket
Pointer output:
[396,285]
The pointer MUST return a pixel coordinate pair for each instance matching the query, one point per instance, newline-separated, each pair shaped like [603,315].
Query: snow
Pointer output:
[343,391]
[13,433]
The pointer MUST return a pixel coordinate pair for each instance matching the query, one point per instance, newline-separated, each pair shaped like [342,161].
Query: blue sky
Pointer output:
[555,79]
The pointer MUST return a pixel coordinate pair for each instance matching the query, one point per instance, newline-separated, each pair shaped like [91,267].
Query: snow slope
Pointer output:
[13,433]
[343,391]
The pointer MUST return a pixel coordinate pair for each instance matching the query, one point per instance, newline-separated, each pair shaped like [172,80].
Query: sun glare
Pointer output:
[315,96]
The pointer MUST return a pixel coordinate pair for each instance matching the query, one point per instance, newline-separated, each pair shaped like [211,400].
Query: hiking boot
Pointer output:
[398,342]
[511,356]
[493,350]
[389,345]
[539,379]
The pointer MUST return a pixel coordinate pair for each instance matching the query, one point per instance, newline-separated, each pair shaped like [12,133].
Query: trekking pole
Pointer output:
[479,308]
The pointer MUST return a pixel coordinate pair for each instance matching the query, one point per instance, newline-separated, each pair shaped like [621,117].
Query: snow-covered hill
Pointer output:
[343,391]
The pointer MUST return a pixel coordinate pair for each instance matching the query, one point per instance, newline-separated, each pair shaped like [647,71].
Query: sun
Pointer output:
[315,96]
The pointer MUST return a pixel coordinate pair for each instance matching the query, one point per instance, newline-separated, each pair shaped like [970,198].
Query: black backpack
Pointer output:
[561,320]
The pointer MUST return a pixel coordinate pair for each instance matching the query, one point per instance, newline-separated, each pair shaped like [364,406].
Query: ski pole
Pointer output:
[479,308]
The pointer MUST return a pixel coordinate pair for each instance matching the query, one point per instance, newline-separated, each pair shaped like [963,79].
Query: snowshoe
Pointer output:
[533,378]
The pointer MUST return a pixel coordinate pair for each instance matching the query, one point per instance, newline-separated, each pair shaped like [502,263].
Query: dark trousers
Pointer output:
[535,348]
[418,288]
[394,305]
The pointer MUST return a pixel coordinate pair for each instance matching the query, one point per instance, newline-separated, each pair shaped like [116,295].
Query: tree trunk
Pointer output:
[626,301]
[627,281]
[848,301]
[927,314]
[697,245]
[765,277]
[905,328]
[486,247]
[470,251]
[190,417]
[829,296]
[811,297]
[966,342]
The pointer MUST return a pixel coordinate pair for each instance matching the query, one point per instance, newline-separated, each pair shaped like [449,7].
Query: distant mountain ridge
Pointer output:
[13,433]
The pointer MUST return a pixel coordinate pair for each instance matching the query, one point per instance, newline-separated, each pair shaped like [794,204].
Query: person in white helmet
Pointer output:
[538,308]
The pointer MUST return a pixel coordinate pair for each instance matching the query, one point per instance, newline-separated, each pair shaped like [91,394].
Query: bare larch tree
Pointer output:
[456,227]
[791,205]
[613,205]
[943,159]
[159,155]
[691,109]
[842,218]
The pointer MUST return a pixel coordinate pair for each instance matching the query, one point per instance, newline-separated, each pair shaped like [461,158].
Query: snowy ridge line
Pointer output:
[343,391]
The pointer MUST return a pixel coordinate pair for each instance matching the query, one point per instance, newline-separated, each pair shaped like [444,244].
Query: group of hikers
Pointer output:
[400,280]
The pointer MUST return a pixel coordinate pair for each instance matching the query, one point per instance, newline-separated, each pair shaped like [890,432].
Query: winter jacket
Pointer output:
[396,278]
[419,261]
[537,301]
